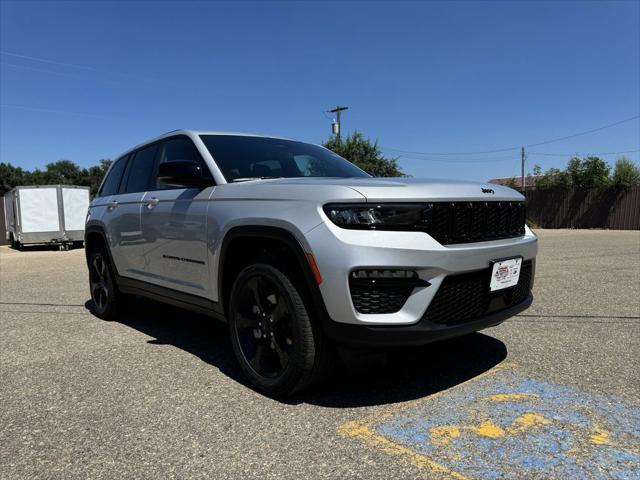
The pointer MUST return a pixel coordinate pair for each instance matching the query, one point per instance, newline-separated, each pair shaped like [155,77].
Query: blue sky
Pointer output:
[87,80]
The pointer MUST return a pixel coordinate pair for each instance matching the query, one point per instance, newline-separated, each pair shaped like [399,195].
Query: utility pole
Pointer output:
[337,111]
[522,173]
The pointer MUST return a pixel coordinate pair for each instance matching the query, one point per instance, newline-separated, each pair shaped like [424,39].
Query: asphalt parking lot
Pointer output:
[551,393]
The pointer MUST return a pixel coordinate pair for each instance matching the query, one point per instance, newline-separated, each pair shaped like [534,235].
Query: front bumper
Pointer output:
[421,333]
[339,251]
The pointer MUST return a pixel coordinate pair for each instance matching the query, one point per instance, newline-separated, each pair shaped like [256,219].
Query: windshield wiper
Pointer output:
[248,179]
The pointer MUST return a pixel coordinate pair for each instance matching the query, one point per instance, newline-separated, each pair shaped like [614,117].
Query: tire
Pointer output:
[15,244]
[279,347]
[108,302]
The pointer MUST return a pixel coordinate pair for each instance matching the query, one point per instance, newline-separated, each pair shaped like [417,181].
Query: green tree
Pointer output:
[537,170]
[588,172]
[10,176]
[574,171]
[554,178]
[594,173]
[36,177]
[365,154]
[95,174]
[626,173]
[63,172]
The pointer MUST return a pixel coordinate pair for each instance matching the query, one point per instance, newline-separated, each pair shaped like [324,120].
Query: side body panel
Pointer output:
[294,209]
[121,221]
[174,229]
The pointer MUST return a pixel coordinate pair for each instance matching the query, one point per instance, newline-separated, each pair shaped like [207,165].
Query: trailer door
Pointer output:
[39,218]
[75,204]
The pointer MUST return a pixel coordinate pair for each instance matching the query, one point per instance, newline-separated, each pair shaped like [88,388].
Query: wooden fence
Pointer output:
[616,209]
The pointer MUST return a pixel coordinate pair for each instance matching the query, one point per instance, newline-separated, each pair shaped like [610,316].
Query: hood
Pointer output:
[411,189]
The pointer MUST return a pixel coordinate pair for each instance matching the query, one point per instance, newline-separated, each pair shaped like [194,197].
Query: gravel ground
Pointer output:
[157,394]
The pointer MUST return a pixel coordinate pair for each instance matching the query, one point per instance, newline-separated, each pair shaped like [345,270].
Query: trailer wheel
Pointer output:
[15,244]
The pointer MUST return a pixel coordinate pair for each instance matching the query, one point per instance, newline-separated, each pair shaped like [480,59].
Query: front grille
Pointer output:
[379,299]
[466,222]
[466,297]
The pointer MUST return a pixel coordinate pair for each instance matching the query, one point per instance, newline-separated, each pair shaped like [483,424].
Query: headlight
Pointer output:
[382,216]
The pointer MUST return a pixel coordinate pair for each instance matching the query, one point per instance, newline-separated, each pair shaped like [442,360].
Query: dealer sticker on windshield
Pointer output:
[505,273]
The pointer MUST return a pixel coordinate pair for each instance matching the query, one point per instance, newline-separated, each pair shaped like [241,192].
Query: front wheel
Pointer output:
[277,344]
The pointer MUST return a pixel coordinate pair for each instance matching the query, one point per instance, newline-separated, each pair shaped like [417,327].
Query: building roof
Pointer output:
[529,181]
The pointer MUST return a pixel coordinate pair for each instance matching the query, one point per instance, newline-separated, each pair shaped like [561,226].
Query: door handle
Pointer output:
[152,202]
[113,204]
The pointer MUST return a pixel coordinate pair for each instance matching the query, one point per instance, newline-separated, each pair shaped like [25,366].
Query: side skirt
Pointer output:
[171,297]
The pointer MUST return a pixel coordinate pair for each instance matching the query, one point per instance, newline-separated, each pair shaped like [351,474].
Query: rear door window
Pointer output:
[111,183]
[141,170]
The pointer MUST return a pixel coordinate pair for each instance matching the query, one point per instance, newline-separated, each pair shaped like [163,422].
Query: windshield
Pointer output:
[243,158]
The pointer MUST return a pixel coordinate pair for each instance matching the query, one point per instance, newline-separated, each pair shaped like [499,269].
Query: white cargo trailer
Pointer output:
[46,214]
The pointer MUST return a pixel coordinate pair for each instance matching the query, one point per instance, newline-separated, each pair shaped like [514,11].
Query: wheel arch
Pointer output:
[95,235]
[252,234]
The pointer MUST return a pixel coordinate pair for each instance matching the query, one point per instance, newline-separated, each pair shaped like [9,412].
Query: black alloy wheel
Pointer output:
[279,347]
[107,300]
[98,282]
[264,326]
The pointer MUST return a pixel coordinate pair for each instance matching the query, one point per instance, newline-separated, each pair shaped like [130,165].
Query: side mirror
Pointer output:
[184,173]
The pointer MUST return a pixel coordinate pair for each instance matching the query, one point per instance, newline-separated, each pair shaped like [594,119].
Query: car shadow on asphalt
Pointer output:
[369,379]
[44,247]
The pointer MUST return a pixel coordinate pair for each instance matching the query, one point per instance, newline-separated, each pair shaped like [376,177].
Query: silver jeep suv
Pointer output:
[299,251]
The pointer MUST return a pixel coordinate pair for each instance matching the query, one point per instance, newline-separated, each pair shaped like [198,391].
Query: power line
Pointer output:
[507,149]
[505,158]
[47,110]
[449,153]
[583,133]
[63,74]
[462,160]
[52,62]
[75,65]
[577,154]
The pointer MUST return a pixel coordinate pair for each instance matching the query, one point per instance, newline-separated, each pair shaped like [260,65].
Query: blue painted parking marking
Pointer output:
[508,425]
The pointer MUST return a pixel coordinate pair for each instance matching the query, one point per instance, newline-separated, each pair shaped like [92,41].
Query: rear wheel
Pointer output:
[277,344]
[107,300]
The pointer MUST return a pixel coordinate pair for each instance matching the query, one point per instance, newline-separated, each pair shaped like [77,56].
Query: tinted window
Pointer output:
[241,157]
[112,181]
[139,176]
[180,148]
